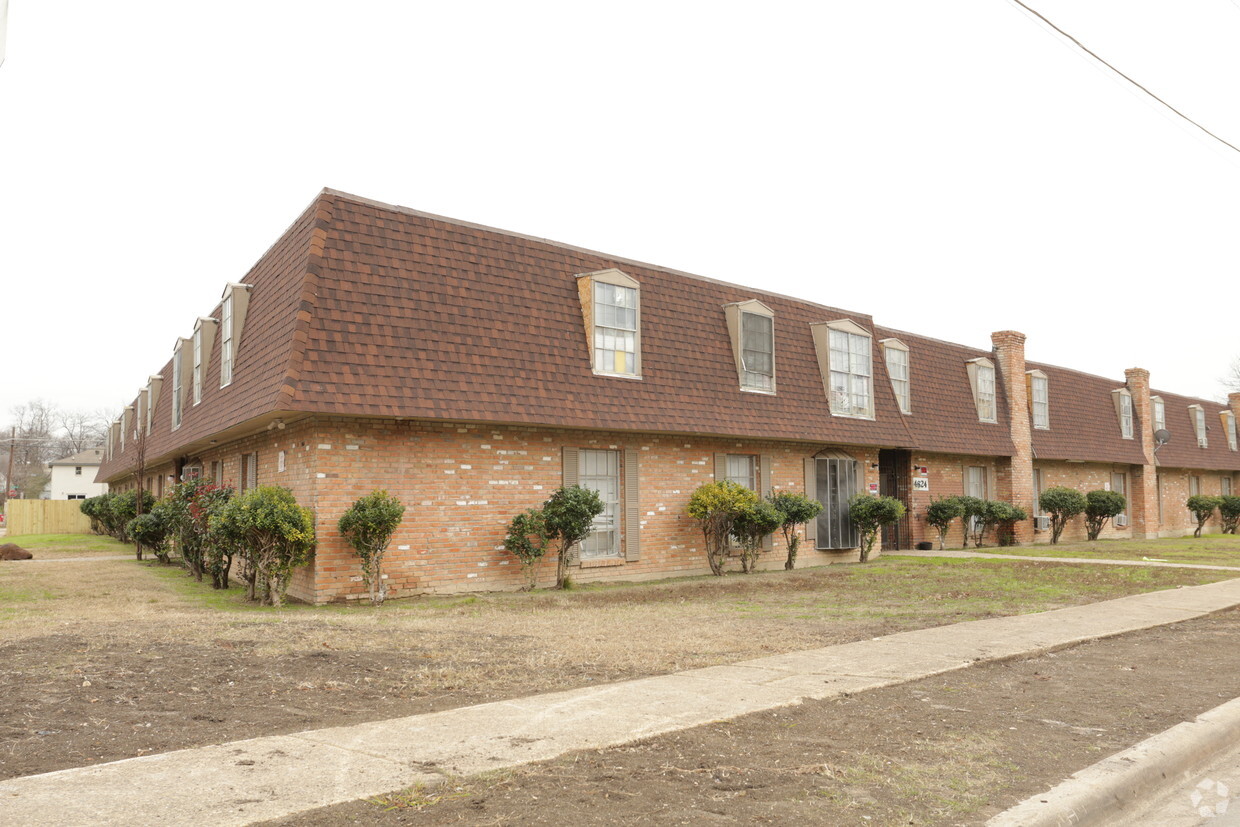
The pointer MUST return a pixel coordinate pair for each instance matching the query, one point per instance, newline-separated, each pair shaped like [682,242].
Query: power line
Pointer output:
[1100,59]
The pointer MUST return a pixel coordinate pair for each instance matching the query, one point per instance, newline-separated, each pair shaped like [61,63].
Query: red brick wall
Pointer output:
[1085,477]
[946,473]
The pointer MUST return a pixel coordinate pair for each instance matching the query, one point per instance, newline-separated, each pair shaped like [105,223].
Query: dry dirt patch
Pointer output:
[952,749]
[111,659]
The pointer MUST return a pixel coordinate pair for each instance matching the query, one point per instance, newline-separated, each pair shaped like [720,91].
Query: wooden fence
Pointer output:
[45,517]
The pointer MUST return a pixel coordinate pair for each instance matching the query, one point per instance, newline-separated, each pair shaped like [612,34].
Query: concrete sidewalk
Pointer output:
[247,781]
[1097,561]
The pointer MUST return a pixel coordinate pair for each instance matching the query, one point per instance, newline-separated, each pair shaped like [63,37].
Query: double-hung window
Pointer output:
[896,354]
[1158,413]
[600,471]
[850,374]
[757,351]
[1199,425]
[1123,410]
[176,385]
[226,341]
[1231,429]
[611,308]
[982,383]
[742,469]
[197,365]
[1040,400]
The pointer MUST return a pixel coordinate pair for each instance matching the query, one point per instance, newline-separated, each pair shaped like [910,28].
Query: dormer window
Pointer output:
[153,384]
[751,326]
[178,390]
[611,309]
[895,353]
[982,383]
[204,337]
[1229,428]
[1158,413]
[1123,409]
[226,341]
[1039,399]
[843,349]
[1198,414]
[232,316]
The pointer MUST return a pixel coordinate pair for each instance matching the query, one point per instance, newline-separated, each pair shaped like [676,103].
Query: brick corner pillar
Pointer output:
[1143,495]
[1016,474]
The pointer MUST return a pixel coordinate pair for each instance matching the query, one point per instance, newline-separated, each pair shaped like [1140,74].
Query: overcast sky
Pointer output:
[949,168]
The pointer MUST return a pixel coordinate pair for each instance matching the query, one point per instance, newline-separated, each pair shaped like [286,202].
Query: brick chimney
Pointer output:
[1015,479]
[1143,492]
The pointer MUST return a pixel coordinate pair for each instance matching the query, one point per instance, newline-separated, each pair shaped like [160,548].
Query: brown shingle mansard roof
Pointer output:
[1182,450]
[1084,423]
[366,309]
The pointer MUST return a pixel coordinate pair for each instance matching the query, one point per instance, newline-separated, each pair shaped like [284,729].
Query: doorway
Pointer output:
[894,472]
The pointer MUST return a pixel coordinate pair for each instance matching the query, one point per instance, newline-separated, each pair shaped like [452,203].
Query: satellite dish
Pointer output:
[1162,436]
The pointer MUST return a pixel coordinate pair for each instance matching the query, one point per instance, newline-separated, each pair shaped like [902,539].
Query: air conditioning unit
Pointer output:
[1121,520]
[1042,523]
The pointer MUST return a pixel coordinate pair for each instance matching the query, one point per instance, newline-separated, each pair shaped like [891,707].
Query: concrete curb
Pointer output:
[1089,561]
[1108,791]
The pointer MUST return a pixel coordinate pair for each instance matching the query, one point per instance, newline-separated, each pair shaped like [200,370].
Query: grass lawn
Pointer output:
[62,546]
[1209,549]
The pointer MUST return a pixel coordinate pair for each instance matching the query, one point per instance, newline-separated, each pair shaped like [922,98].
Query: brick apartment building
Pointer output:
[470,371]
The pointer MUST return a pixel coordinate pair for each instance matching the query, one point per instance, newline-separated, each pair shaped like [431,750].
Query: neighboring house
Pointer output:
[73,478]
[470,371]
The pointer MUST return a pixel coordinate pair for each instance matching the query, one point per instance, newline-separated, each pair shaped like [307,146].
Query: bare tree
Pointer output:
[43,433]
[1231,380]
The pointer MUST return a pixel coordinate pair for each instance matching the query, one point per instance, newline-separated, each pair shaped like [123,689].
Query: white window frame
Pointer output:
[592,548]
[747,479]
[198,364]
[899,369]
[1158,413]
[1229,428]
[1124,412]
[176,386]
[751,379]
[1040,408]
[850,388]
[1198,415]
[226,341]
[983,381]
[588,285]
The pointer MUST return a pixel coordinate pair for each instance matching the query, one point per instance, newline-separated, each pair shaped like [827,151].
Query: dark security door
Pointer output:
[837,484]
[894,470]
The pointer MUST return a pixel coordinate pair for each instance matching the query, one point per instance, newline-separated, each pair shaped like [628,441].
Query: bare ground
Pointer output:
[107,659]
[953,749]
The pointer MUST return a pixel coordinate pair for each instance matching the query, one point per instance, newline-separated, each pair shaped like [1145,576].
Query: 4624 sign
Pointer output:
[921,484]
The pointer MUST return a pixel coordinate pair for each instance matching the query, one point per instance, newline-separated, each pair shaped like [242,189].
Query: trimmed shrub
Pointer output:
[1229,510]
[716,505]
[972,510]
[569,518]
[1062,504]
[869,514]
[93,507]
[527,540]
[273,535]
[189,505]
[794,510]
[940,513]
[1101,506]
[368,527]
[122,508]
[1005,517]
[1202,506]
[752,525]
[150,531]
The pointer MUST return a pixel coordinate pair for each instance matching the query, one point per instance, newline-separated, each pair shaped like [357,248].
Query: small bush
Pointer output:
[123,507]
[716,505]
[528,540]
[940,513]
[794,510]
[368,527]
[569,518]
[1101,506]
[273,534]
[751,527]
[93,507]
[1229,510]
[1005,517]
[869,514]
[1202,506]
[150,531]
[1062,504]
[972,509]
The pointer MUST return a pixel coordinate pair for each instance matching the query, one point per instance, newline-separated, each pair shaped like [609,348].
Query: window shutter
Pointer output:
[570,474]
[811,491]
[632,506]
[764,484]
[721,467]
